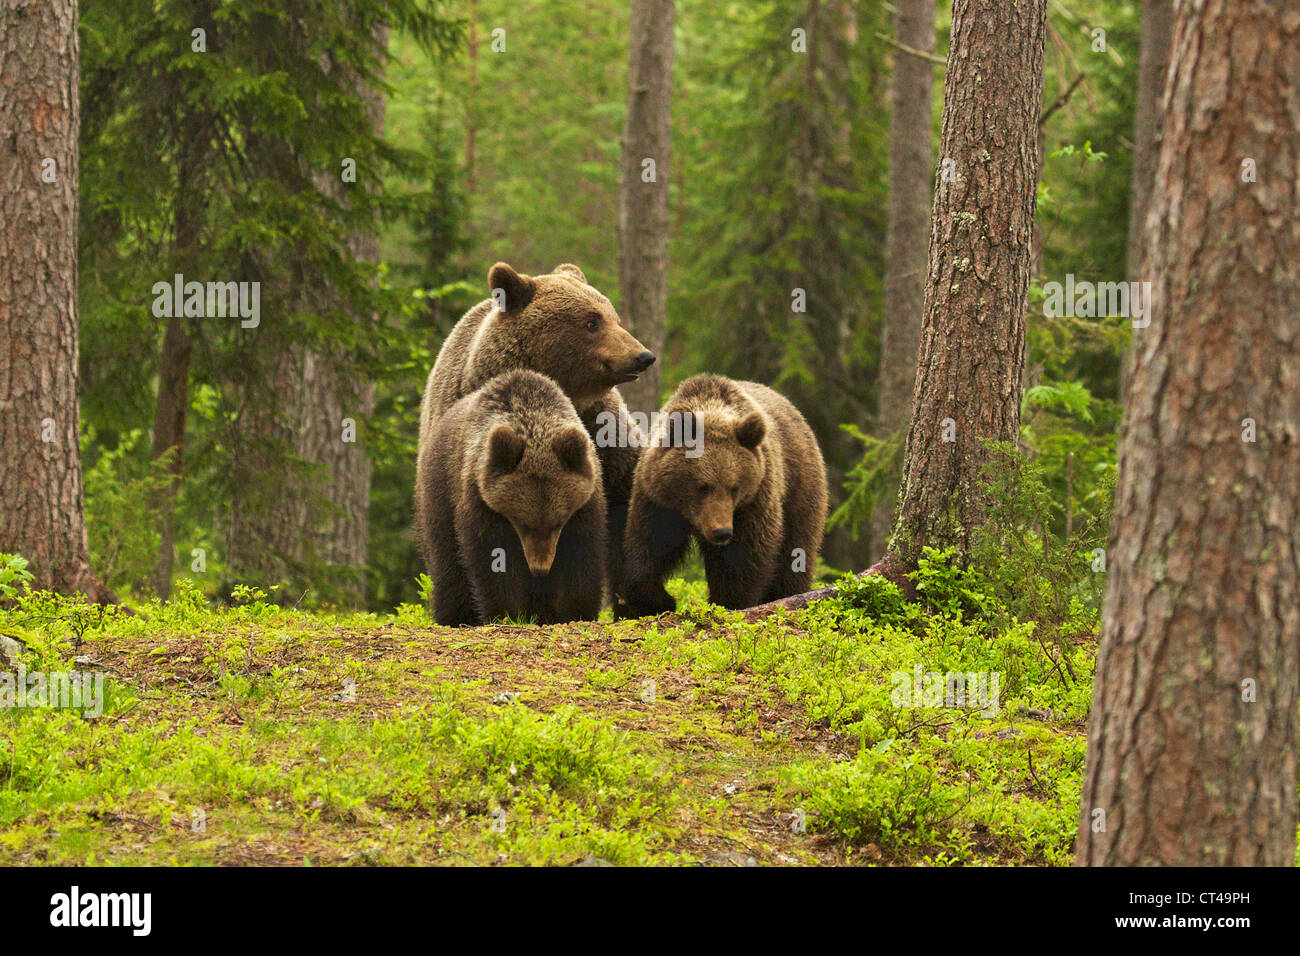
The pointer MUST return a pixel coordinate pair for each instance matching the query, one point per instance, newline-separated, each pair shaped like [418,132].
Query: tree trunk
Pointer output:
[1157,23]
[973,331]
[301,513]
[908,234]
[331,393]
[1192,743]
[643,205]
[174,363]
[43,516]
[169,436]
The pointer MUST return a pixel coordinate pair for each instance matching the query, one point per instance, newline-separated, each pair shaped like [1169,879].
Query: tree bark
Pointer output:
[972,336]
[43,516]
[1192,741]
[908,233]
[643,222]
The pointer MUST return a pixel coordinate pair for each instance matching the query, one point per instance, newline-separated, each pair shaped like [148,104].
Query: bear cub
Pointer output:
[510,510]
[750,488]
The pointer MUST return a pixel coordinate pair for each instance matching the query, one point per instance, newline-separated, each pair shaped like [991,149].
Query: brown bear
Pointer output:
[510,515]
[562,327]
[750,486]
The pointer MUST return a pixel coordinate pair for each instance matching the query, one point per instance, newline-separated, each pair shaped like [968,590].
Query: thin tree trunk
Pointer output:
[1157,24]
[643,205]
[471,116]
[169,436]
[1192,741]
[174,367]
[43,516]
[908,233]
[973,333]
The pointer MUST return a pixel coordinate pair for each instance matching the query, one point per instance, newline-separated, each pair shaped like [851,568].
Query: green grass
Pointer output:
[256,734]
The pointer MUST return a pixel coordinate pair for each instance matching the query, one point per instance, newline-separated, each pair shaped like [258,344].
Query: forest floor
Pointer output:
[260,735]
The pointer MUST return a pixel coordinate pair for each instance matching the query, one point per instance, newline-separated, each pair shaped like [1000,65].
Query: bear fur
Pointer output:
[753,497]
[559,325]
[510,513]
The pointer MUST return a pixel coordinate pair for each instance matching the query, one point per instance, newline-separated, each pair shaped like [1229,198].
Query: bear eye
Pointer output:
[593,323]
[703,490]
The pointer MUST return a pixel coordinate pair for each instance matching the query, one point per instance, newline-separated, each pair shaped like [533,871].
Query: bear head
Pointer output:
[724,475]
[538,485]
[561,326]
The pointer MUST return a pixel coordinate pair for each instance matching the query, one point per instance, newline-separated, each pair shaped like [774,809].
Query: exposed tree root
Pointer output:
[890,567]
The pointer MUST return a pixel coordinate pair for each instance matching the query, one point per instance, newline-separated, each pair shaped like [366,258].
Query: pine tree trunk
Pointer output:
[332,393]
[973,332]
[174,367]
[1192,741]
[1157,23]
[169,437]
[643,206]
[907,236]
[42,517]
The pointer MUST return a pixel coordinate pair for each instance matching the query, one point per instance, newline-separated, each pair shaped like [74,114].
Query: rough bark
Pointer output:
[973,331]
[1202,595]
[643,222]
[907,233]
[43,516]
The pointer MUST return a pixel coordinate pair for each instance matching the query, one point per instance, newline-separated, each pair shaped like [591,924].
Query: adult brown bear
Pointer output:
[510,515]
[562,327]
[750,487]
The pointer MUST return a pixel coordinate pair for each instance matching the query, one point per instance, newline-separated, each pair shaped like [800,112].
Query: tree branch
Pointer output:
[932,57]
[1061,100]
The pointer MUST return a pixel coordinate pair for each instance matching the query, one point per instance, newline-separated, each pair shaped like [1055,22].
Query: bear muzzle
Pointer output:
[539,552]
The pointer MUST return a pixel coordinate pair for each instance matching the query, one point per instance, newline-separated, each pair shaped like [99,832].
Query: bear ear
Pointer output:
[750,430]
[510,290]
[570,446]
[505,449]
[569,269]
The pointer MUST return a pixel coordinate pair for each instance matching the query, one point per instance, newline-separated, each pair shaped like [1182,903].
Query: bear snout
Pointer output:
[643,361]
[720,536]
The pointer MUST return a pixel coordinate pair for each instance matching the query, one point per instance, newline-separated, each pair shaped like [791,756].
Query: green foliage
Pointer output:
[948,588]
[874,476]
[13,576]
[1033,572]
[224,164]
[122,490]
[795,141]
[878,598]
